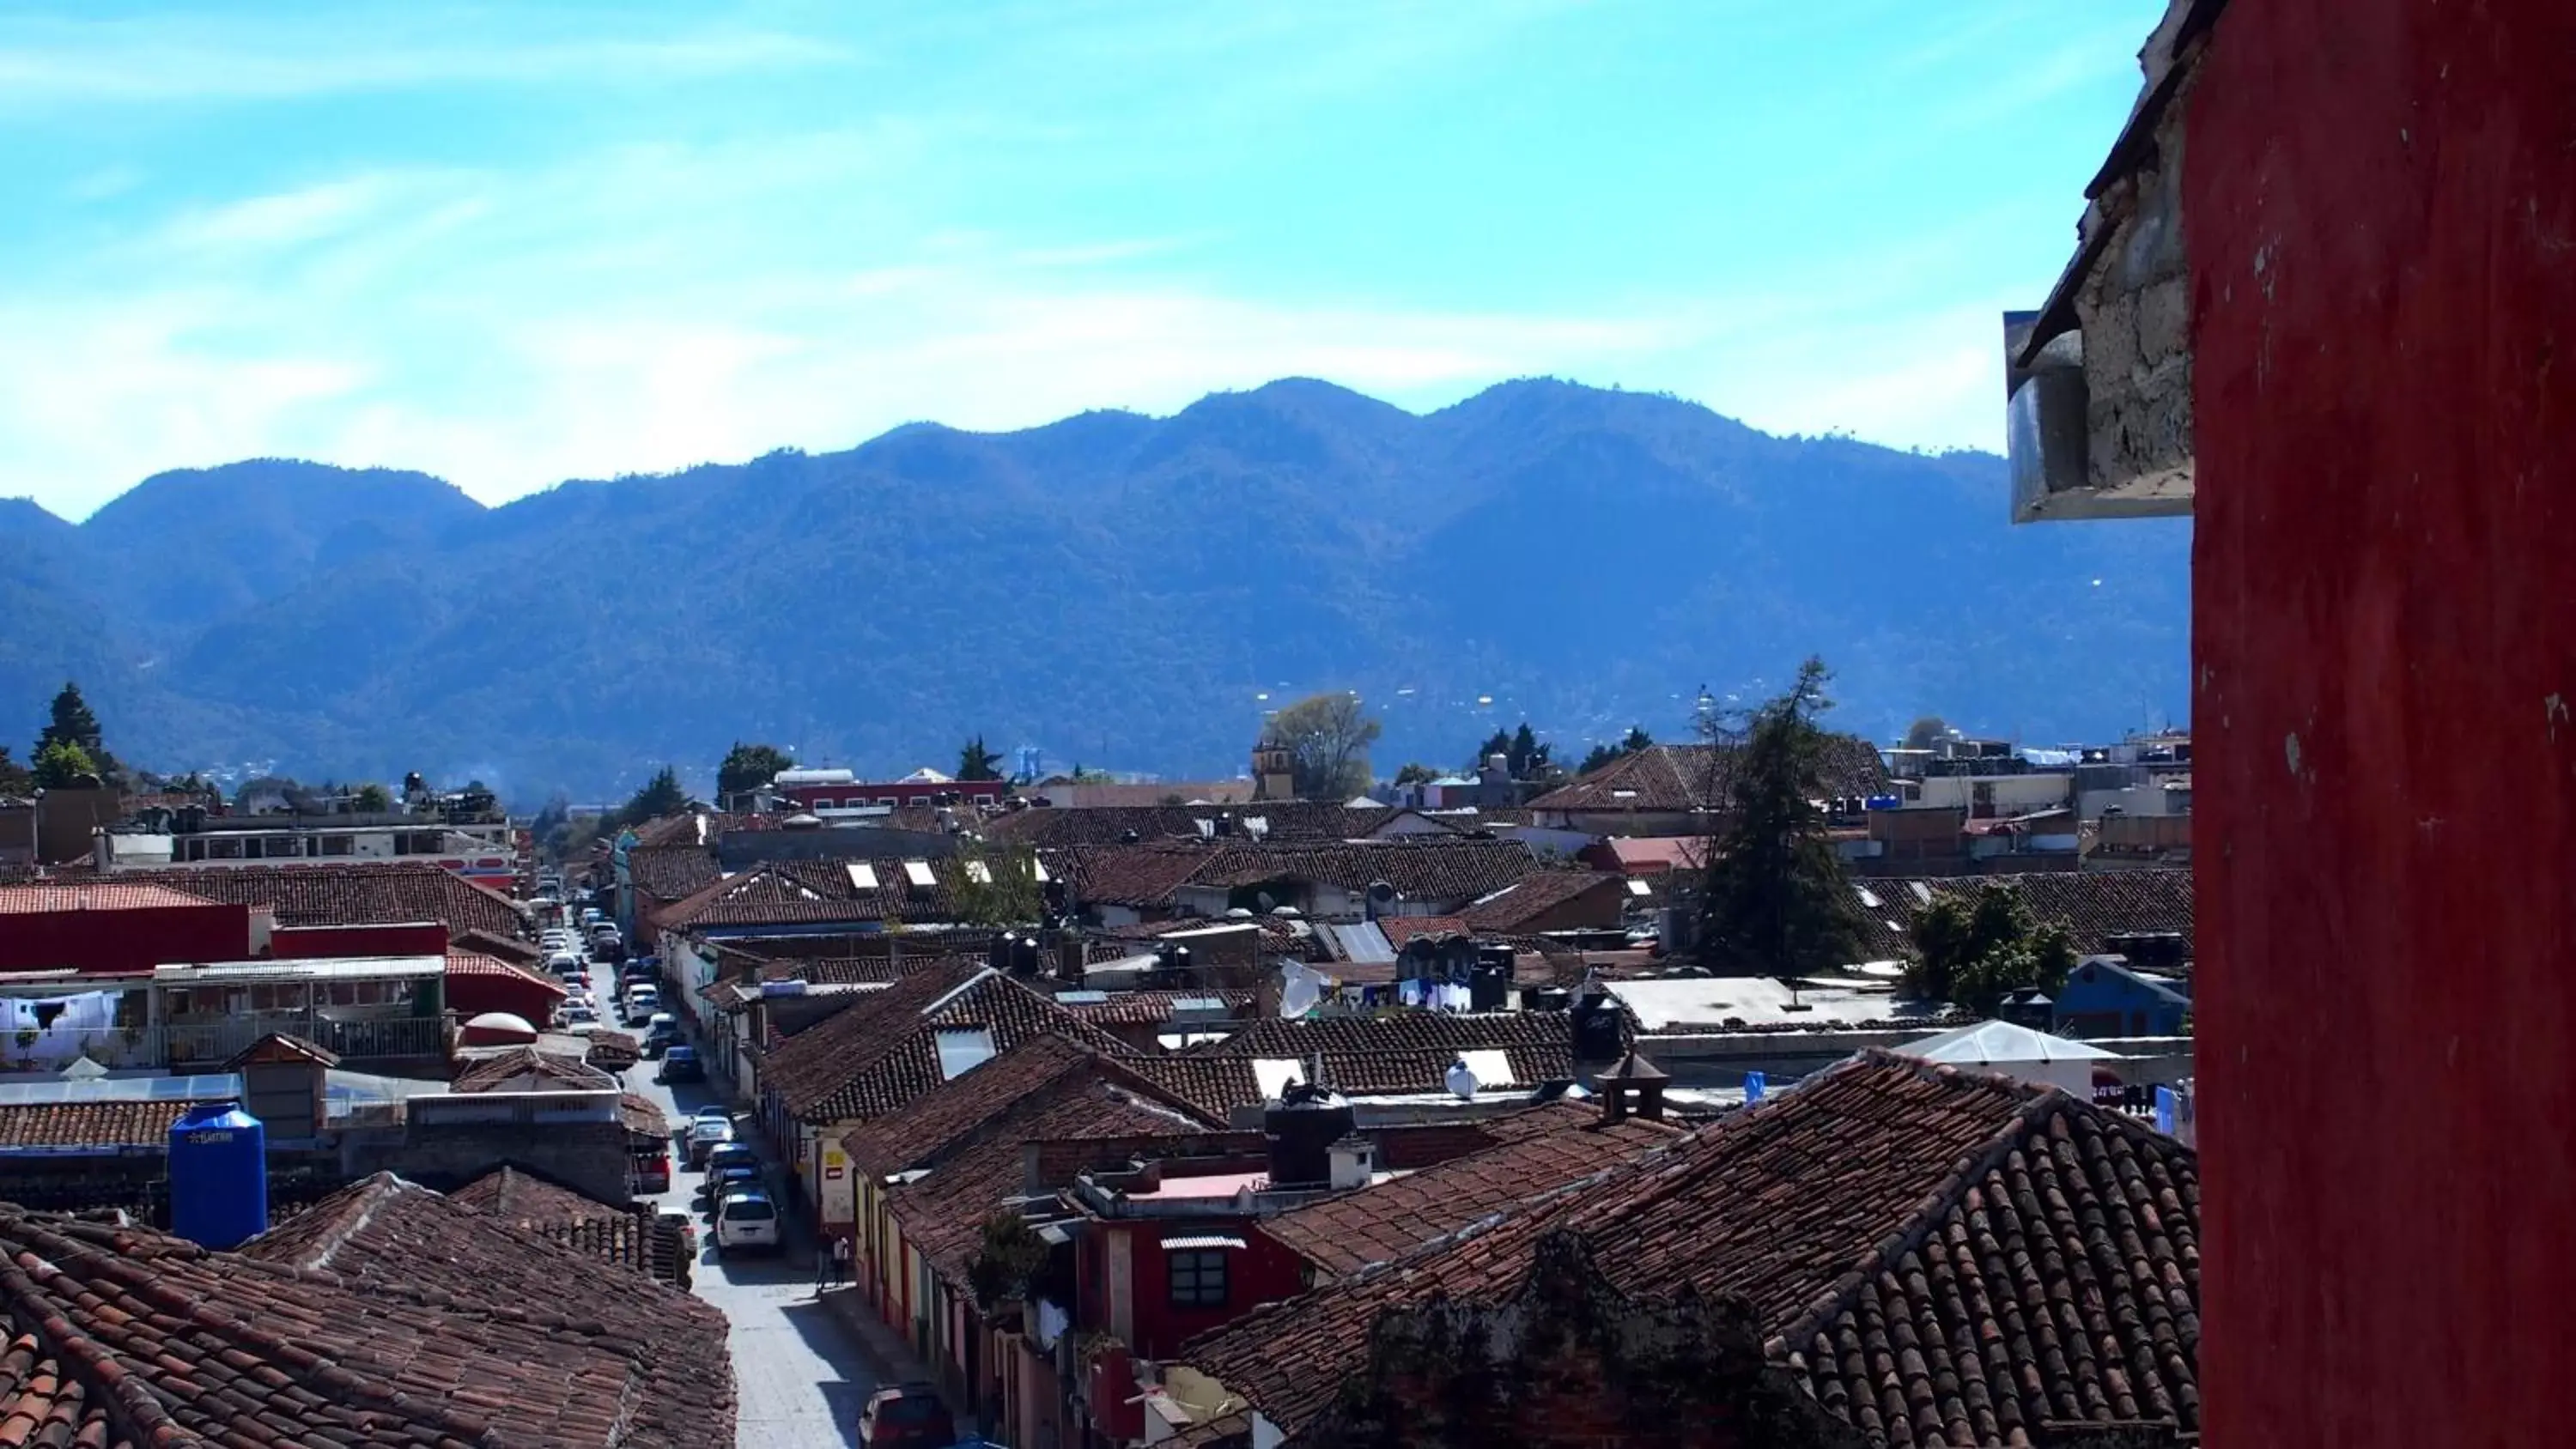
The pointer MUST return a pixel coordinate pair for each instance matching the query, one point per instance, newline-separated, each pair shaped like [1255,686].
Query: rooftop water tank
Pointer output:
[1302,1127]
[218,1175]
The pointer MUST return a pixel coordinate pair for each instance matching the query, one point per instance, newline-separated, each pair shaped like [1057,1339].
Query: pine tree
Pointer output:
[748,767]
[1777,902]
[974,762]
[72,723]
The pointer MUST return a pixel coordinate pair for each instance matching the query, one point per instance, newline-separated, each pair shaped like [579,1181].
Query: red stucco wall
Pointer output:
[124,940]
[2381,203]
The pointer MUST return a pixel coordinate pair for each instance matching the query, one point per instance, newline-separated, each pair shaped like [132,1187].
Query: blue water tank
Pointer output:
[218,1175]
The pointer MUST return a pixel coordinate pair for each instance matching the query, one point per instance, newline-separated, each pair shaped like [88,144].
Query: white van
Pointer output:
[748,1222]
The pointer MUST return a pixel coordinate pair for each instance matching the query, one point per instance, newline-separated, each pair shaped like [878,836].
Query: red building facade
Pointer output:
[127,929]
[2381,205]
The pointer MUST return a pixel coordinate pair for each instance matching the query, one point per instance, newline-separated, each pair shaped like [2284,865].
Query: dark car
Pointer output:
[681,1064]
[726,1180]
[906,1416]
[731,1154]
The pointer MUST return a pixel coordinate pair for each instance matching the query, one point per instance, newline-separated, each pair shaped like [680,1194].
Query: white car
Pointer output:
[747,1222]
[642,1002]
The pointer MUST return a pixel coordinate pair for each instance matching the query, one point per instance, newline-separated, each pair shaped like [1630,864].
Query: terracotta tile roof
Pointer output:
[1513,909]
[278,1048]
[1449,1031]
[1549,1148]
[68,1125]
[475,963]
[125,1336]
[506,948]
[630,1236]
[881,1053]
[526,1069]
[672,872]
[1400,929]
[347,893]
[1109,825]
[611,1051]
[800,892]
[642,1116]
[1666,779]
[943,1214]
[2093,904]
[118,894]
[1435,868]
[384,1235]
[732,994]
[1150,1008]
[1217,1085]
[1941,1257]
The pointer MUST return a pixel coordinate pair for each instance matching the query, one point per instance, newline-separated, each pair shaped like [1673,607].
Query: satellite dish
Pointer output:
[1460,1080]
[1300,990]
[1382,893]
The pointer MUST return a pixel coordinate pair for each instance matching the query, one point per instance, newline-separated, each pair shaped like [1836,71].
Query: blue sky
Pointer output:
[520,243]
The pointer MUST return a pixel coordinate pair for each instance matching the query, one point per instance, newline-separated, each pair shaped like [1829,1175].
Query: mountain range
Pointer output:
[1120,590]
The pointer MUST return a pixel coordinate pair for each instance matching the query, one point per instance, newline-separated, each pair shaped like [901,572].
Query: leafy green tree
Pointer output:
[997,886]
[1327,737]
[1601,755]
[1415,774]
[748,767]
[1522,753]
[63,764]
[974,762]
[658,797]
[1973,954]
[1776,901]
[1007,1262]
[14,777]
[71,722]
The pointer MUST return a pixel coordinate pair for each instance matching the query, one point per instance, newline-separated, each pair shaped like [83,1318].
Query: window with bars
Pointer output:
[1198,1278]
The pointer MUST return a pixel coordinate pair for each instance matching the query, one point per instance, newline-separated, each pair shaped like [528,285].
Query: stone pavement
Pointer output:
[803,1373]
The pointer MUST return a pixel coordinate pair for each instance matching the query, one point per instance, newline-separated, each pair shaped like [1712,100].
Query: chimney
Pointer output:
[1354,1163]
[1635,1088]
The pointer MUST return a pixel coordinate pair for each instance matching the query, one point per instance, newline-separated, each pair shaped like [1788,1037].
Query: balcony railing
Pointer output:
[206,1046]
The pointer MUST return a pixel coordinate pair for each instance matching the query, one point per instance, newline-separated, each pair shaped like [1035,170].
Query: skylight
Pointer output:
[978,872]
[1640,888]
[1275,1076]
[1037,871]
[863,875]
[1868,897]
[918,872]
[963,1049]
[1492,1068]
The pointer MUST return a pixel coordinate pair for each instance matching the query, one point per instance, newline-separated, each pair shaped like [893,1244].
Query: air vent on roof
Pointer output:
[863,875]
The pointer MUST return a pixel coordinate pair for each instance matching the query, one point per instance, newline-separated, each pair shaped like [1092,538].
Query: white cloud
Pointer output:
[49,63]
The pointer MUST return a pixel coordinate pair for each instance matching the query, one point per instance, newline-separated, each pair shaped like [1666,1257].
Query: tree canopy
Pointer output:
[14,777]
[997,885]
[71,722]
[1920,734]
[1327,737]
[1974,954]
[1604,754]
[748,767]
[974,762]
[1776,900]
[656,798]
[1522,753]
[1416,774]
[372,799]
[61,764]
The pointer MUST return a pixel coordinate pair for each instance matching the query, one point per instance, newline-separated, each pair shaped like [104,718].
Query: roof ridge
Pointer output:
[1910,1233]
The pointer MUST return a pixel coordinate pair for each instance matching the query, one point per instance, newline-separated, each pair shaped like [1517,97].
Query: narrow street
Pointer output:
[803,1376]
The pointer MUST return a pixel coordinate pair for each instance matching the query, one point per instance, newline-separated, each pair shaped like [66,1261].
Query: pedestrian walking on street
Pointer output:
[822,1267]
[840,1260]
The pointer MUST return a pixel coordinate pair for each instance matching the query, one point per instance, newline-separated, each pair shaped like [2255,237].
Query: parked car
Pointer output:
[724,1182]
[704,1133]
[641,1003]
[747,1222]
[681,1064]
[907,1416]
[732,1154]
[653,1170]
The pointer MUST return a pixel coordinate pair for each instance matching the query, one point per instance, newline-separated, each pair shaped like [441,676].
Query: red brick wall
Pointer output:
[125,940]
[2381,203]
